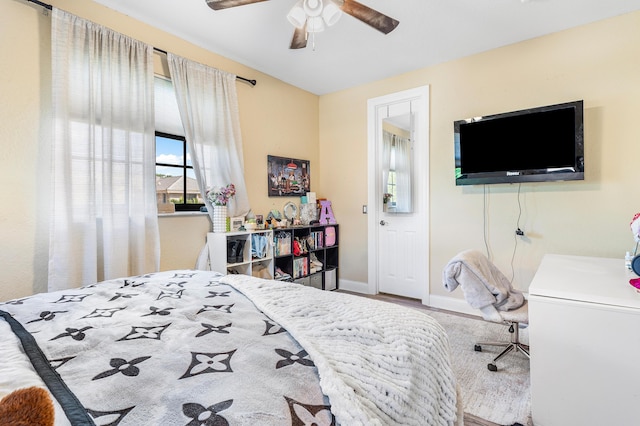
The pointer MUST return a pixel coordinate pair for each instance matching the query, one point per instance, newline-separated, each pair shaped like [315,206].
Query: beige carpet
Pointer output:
[502,397]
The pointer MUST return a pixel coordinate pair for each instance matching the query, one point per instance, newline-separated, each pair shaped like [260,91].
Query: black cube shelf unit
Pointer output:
[307,255]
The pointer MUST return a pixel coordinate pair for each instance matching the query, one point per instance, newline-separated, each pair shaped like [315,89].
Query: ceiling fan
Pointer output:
[310,16]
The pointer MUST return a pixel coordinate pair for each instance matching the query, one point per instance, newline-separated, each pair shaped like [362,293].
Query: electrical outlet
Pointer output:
[364,209]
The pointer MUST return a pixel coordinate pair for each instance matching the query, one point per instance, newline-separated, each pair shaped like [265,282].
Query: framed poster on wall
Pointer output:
[287,177]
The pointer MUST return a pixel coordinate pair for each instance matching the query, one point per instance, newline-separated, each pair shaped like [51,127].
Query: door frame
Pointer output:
[376,110]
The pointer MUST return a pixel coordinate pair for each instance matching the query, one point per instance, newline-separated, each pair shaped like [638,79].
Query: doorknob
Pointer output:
[383,223]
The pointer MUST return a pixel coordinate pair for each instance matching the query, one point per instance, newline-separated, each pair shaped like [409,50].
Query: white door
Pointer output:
[399,260]
[398,232]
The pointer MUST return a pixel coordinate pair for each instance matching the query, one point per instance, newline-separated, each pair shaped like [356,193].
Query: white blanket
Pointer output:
[379,363]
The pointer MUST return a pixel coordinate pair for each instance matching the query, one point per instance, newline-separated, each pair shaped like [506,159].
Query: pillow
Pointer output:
[330,238]
[27,407]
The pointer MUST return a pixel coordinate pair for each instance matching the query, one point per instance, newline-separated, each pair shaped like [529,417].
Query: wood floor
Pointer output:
[469,420]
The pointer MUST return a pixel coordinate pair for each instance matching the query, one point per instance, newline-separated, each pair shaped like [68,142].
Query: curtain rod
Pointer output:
[48,6]
[251,82]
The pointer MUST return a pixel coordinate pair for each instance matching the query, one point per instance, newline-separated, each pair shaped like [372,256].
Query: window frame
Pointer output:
[391,178]
[184,206]
[391,187]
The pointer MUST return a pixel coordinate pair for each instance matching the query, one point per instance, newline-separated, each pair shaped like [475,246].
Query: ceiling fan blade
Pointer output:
[225,4]
[377,20]
[299,40]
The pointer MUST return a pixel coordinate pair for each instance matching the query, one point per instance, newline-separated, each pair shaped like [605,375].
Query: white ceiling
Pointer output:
[351,53]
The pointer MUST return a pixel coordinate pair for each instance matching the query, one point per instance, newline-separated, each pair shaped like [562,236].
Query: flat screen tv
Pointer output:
[532,145]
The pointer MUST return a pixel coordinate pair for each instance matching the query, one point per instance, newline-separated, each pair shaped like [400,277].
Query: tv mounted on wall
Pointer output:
[532,145]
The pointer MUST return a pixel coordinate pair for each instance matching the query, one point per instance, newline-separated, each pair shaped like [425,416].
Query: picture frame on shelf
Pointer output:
[236,222]
[287,177]
[308,213]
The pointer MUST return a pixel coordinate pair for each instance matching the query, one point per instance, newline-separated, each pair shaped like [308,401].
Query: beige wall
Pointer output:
[275,118]
[599,63]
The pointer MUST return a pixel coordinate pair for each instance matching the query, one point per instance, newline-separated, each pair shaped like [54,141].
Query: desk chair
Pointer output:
[487,289]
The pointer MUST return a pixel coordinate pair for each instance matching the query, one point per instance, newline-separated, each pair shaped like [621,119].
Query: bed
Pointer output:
[195,347]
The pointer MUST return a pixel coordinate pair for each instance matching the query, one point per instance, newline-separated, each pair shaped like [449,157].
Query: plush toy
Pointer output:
[635,231]
[635,227]
[27,407]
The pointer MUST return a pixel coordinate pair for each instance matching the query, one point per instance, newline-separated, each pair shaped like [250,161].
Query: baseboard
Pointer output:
[355,286]
[452,304]
[438,302]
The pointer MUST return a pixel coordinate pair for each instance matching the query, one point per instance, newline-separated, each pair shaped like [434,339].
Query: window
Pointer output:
[176,185]
[391,180]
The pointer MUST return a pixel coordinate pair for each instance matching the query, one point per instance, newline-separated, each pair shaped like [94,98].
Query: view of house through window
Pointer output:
[176,185]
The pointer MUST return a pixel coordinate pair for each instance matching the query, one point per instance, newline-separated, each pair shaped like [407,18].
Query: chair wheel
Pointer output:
[477,348]
[492,367]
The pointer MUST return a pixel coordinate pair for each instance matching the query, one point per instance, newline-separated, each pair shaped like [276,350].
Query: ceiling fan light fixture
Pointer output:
[315,24]
[331,13]
[310,17]
[312,7]
[297,15]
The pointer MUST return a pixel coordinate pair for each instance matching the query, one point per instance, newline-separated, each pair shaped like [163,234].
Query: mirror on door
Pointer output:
[397,163]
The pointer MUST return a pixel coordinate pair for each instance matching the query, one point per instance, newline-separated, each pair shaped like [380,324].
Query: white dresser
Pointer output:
[584,331]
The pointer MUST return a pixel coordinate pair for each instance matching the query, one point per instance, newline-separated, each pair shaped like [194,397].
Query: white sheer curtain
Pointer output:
[387,148]
[403,167]
[208,105]
[104,217]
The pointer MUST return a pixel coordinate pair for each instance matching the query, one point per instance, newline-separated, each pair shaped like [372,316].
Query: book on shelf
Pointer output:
[318,239]
[283,243]
[300,267]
